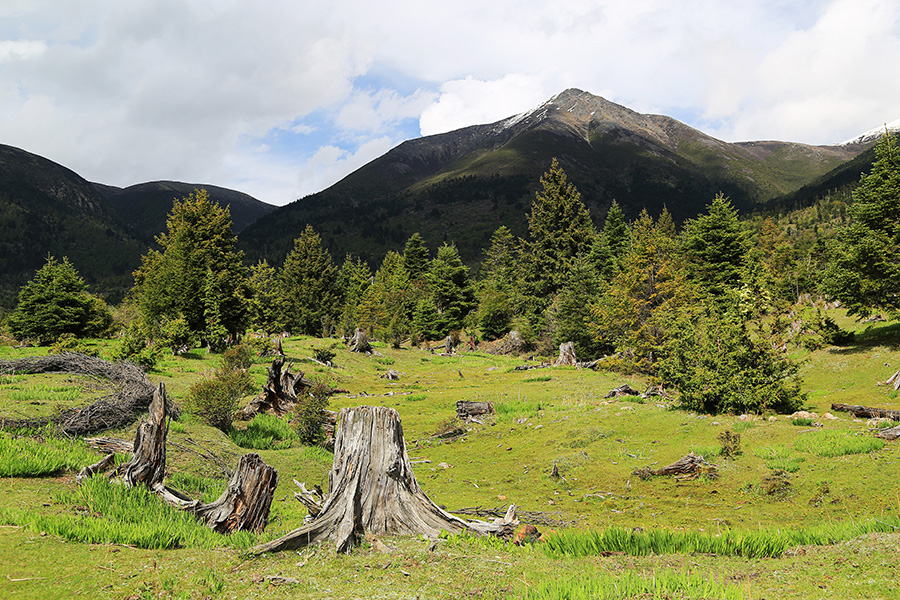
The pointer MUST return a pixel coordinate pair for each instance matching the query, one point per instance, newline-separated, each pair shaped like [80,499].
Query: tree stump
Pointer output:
[372,489]
[281,392]
[566,355]
[360,342]
[466,409]
[244,506]
[449,346]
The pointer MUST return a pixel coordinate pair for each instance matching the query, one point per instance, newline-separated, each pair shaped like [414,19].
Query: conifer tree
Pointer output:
[715,247]
[864,270]
[416,257]
[263,284]
[448,286]
[615,234]
[353,279]
[308,298]
[570,312]
[196,269]
[56,302]
[498,289]
[560,229]
[387,306]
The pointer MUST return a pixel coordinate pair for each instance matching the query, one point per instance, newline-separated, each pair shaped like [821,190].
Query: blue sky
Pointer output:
[282,98]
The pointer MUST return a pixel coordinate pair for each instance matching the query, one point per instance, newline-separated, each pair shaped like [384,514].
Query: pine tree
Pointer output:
[560,228]
[715,247]
[499,288]
[416,257]
[865,263]
[263,283]
[353,279]
[56,302]
[196,270]
[448,285]
[570,311]
[387,306]
[615,234]
[308,298]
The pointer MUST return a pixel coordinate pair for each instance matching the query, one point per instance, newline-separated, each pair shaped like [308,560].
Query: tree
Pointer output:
[560,227]
[651,284]
[448,285]
[416,257]
[197,273]
[615,235]
[56,302]
[499,285]
[353,279]
[387,306]
[864,269]
[308,297]
[715,247]
[263,284]
[570,311]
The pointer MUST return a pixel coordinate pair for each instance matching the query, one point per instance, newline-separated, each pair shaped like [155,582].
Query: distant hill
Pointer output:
[145,206]
[460,186]
[46,208]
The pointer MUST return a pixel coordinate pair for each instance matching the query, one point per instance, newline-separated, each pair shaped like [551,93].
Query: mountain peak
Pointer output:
[873,134]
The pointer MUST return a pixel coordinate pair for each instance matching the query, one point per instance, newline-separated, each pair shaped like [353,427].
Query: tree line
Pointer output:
[709,309]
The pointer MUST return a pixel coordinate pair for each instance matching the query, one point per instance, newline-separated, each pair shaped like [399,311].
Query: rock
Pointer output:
[829,417]
[526,534]
[444,465]
[772,419]
[802,414]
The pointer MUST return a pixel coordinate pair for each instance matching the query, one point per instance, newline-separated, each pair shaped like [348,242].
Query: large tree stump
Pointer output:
[566,355]
[466,409]
[243,506]
[281,392]
[372,489]
[360,342]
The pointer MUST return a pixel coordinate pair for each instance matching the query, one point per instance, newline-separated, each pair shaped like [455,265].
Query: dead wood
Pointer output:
[868,412]
[690,466]
[511,343]
[372,490]
[391,374]
[449,346]
[311,499]
[110,445]
[566,356]
[591,364]
[466,409]
[622,390]
[243,506]
[132,393]
[894,380]
[98,467]
[890,434]
[360,342]
[877,318]
[281,392]
[278,350]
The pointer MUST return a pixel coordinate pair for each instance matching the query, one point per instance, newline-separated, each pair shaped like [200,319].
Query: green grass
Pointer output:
[539,379]
[46,455]
[101,512]
[602,586]
[264,432]
[831,443]
[802,422]
[780,458]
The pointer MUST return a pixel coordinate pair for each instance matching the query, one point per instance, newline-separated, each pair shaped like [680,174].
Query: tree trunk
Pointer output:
[448,345]
[467,408]
[868,412]
[360,342]
[372,489]
[566,355]
[244,506]
[280,393]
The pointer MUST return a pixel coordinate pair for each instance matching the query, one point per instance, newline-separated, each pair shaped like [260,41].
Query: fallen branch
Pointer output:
[690,466]
[868,412]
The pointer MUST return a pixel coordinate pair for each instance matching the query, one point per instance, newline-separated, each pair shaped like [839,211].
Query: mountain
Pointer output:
[46,208]
[145,206]
[460,186]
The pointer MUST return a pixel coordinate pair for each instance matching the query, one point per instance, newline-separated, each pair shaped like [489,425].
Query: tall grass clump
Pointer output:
[101,512]
[514,409]
[264,432]
[668,584]
[780,458]
[831,443]
[44,455]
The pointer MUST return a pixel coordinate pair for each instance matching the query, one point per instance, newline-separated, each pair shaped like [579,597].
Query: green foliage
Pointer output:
[416,257]
[779,458]
[263,304]
[799,422]
[830,443]
[197,273]
[865,262]
[427,324]
[56,302]
[308,297]
[308,418]
[264,432]
[215,398]
[718,365]
[135,347]
[353,279]
[39,456]
[665,584]
[569,314]
[715,247]
[387,305]
[175,333]
[560,229]
[68,342]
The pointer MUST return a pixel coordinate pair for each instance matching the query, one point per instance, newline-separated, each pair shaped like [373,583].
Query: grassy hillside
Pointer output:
[544,416]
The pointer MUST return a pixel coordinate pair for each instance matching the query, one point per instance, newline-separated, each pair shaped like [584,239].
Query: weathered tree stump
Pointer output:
[566,355]
[449,346]
[281,392]
[466,409]
[690,466]
[243,506]
[622,390]
[391,374]
[372,489]
[278,350]
[360,342]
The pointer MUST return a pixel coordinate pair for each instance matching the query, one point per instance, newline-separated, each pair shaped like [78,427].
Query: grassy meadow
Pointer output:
[803,511]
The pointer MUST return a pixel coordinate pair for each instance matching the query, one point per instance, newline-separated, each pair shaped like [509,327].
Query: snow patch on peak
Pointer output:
[873,134]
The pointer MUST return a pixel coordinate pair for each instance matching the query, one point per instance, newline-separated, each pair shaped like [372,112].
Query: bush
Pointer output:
[309,415]
[134,347]
[67,342]
[215,398]
[731,444]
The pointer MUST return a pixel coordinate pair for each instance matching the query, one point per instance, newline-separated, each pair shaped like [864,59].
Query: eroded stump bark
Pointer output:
[566,355]
[280,393]
[372,489]
[360,342]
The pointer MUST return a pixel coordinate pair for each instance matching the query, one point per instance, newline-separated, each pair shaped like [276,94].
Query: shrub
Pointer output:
[214,399]
[134,347]
[237,358]
[324,355]
[67,342]
[308,419]
[800,422]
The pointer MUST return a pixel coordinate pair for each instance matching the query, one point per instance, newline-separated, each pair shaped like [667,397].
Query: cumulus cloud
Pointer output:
[125,92]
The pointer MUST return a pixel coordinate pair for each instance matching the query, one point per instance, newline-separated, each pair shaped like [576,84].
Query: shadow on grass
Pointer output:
[881,335]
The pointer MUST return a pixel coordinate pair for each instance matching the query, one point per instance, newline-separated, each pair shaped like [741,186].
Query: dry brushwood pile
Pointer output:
[132,393]
[372,490]
[243,506]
